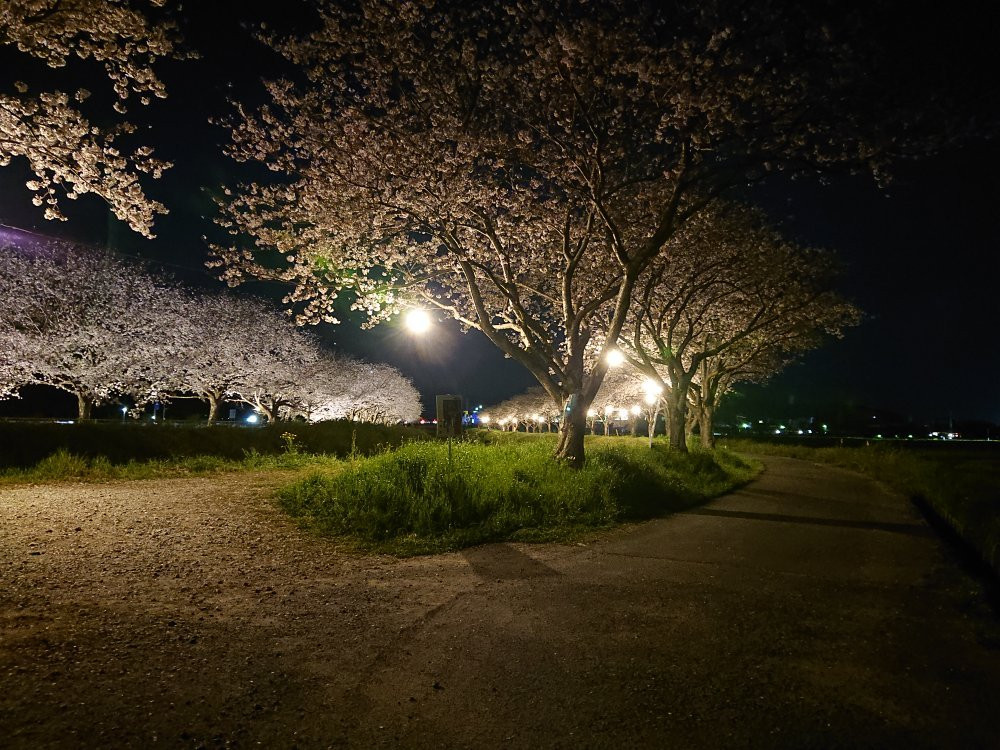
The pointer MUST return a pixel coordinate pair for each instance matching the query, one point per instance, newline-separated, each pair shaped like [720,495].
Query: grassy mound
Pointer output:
[413,500]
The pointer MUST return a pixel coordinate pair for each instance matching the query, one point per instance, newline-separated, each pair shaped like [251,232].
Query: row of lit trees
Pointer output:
[732,302]
[100,328]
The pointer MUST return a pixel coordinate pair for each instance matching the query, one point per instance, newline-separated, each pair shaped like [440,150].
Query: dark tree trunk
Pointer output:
[676,421]
[571,432]
[83,407]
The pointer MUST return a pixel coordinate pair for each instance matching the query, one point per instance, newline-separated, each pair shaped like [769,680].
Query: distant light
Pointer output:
[591,413]
[417,320]
[124,410]
[615,358]
[652,398]
[484,418]
[801,432]
[251,419]
[636,410]
[777,432]
[746,425]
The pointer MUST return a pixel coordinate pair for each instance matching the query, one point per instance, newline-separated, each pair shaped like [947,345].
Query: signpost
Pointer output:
[449,418]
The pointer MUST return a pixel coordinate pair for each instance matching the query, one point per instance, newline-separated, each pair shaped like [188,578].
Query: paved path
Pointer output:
[810,609]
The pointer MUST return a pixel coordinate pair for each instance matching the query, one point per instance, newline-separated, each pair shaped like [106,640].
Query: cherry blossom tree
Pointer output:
[71,148]
[530,409]
[731,293]
[77,320]
[519,165]
[221,347]
[346,388]
[758,358]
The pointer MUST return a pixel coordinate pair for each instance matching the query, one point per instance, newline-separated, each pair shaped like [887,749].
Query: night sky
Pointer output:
[920,256]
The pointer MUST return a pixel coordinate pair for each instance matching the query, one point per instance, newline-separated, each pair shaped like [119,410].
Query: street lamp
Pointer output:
[417,320]
[615,358]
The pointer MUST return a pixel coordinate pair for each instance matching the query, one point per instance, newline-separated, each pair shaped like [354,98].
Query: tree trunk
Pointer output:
[83,407]
[676,419]
[571,432]
[213,408]
[706,426]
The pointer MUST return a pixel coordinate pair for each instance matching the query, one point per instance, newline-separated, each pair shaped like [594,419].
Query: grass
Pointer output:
[961,486]
[413,501]
[63,466]
[24,444]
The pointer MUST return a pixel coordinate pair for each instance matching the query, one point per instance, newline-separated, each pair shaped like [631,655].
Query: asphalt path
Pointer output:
[812,608]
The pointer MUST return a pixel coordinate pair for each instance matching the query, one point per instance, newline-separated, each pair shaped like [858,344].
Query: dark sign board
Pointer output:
[449,416]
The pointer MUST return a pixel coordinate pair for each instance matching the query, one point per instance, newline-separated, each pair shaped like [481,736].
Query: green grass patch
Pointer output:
[413,500]
[960,484]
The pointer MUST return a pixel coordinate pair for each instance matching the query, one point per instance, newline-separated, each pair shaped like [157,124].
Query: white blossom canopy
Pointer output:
[70,151]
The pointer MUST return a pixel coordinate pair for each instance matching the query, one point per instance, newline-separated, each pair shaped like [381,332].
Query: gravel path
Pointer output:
[187,612]
[810,609]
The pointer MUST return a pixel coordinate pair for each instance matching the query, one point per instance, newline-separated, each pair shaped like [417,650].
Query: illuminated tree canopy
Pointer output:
[518,166]
[71,145]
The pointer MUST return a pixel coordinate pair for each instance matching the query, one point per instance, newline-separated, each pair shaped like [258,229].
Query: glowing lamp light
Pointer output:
[484,418]
[253,419]
[636,410]
[615,358]
[591,413]
[417,321]
[652,398]
[650,386]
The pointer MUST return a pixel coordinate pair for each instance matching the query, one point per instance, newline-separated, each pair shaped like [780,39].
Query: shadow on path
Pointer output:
[896,528]
[496,562]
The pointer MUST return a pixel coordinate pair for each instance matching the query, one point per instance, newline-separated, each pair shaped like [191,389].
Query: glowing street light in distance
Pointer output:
[615,358]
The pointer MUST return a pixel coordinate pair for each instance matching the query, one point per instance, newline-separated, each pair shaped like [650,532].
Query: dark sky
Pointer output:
[921,256]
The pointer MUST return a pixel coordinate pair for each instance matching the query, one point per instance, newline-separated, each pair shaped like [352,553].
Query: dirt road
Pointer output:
[811,609]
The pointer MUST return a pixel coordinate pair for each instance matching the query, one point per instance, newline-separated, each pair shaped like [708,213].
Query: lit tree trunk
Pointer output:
[676,414]
[706,426]
[213,408]
[83,407]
